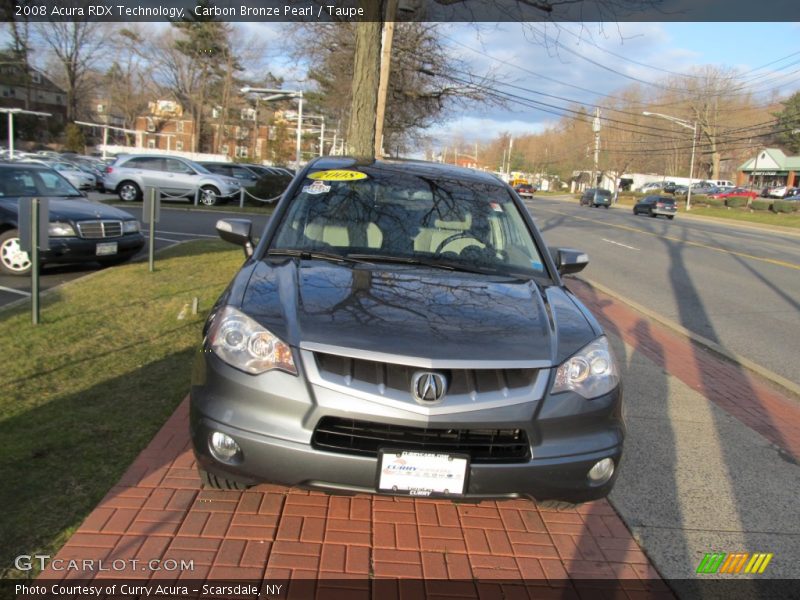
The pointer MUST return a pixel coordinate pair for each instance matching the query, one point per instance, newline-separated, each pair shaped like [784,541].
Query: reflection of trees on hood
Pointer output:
[372,296]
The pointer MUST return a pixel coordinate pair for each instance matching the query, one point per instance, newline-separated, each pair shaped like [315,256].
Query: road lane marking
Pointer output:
[13,291]
[155,237]
[774,261]
[619,244]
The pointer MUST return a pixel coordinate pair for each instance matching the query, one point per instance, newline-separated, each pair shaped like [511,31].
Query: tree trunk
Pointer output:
[366,68]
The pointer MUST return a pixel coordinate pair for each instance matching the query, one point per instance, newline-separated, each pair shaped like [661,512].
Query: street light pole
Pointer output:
[277,94]
[689,125]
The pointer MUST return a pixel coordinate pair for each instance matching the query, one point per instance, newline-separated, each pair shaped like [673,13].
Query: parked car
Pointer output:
[79,230]
[174,176]
[78,178]
[651,187]
[263,184]
[272,183]
[704,188]
[401,328]
[669,187]
[680,190]
[778,191]
[655,206]
[246,176]
[738,191]
[595,197]
[525,190]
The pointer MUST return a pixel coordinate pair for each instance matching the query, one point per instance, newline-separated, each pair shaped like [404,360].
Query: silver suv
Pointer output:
[176,177]
[401,328]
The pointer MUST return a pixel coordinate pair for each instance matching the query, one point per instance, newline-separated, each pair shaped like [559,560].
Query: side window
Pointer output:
[176,166]
[241,173]
[54,183]
[143,162]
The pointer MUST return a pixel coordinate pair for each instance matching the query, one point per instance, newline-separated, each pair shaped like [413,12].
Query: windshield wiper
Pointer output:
[438,264]
[311,254]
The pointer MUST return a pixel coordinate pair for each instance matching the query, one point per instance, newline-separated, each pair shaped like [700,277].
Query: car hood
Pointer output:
[68,209]
[413,312]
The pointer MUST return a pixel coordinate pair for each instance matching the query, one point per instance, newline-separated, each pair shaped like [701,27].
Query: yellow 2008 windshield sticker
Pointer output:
[337,175]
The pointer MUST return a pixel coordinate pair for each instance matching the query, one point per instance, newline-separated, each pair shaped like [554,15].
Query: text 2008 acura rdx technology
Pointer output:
[401,328]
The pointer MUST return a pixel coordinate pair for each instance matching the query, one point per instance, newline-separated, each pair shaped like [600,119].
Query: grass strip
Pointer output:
[85,391]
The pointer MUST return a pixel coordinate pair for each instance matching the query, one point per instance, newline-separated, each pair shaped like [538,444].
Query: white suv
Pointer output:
[174,176]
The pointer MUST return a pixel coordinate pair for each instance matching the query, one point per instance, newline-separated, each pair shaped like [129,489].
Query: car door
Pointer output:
[183,178]
[145,170]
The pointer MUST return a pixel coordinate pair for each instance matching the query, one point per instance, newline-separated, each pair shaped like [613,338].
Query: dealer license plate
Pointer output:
[106,248]
[422,473]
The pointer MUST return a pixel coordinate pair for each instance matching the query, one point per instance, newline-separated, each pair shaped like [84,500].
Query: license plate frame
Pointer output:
[106,248]
[422,481]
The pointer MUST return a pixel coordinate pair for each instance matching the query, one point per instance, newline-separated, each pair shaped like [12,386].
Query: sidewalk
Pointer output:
[707,443]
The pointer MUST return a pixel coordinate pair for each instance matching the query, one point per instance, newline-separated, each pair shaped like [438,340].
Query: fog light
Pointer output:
[223,447]
[601,471]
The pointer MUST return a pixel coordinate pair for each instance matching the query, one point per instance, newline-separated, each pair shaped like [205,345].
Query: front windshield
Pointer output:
[391,214]
[16,182]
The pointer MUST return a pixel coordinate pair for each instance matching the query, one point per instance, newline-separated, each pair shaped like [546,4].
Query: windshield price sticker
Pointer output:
[316,188]
[337,175]
[422,473]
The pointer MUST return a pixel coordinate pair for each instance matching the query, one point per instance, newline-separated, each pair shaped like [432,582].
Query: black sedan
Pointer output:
[656,205]
[79,230]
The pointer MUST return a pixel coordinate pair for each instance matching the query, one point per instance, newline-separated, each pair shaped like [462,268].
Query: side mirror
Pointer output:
[569,260]
[237,231]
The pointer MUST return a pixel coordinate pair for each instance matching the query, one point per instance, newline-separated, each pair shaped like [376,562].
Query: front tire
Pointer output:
[670,217]
[128,191]
[13,259]
[209,196]
[209,480]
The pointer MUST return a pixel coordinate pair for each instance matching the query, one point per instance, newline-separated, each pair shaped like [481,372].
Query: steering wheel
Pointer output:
[458,236]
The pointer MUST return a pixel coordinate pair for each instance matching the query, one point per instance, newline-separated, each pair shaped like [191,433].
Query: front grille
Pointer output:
[364,438]
[97,230]
[382,375]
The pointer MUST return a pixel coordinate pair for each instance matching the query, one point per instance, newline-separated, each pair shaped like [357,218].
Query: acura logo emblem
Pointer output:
[428,387]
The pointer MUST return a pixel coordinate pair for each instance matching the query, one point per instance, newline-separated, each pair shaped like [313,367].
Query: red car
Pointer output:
[737,191]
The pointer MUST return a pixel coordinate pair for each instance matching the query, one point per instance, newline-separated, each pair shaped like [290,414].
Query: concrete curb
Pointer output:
[778,380]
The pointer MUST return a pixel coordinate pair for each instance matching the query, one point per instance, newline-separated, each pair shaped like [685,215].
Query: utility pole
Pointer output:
[596,129]
[383,81]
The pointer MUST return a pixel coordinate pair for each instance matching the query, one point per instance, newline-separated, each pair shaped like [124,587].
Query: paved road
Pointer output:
[738,287]
[178,223]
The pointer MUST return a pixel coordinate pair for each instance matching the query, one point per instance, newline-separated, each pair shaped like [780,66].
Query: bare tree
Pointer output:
[77,48]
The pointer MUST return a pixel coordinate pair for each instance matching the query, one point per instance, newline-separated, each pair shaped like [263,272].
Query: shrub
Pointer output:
[736,201]
[785,206]
[700,199]
[715,202]
[760,204]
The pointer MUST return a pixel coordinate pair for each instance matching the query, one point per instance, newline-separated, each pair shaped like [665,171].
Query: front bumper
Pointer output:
[272,418]
[74,249]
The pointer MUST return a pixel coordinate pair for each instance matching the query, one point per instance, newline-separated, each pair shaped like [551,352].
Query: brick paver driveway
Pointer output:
[158,511]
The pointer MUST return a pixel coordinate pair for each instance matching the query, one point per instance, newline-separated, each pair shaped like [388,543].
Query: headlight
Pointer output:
[130,226]
[244,344]
[60,230]
[591,372]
